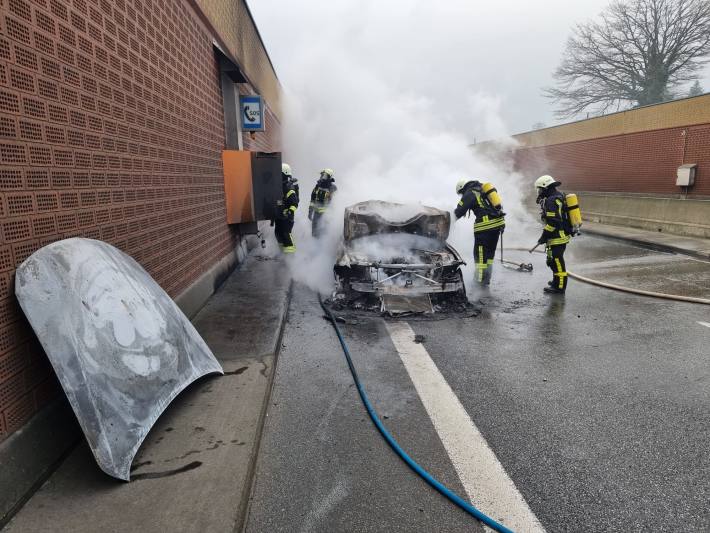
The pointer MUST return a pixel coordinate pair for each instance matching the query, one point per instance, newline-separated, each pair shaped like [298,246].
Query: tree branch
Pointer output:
[635,54]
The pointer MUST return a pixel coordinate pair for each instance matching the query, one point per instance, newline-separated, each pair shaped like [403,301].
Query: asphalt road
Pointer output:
[595,405]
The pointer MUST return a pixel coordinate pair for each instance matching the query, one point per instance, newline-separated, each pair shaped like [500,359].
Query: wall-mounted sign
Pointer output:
[252,113]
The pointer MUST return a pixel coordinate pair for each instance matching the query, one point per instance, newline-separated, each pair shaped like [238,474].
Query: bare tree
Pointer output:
[636,54]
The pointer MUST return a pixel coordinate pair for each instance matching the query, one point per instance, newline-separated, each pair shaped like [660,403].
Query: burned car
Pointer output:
[397,256]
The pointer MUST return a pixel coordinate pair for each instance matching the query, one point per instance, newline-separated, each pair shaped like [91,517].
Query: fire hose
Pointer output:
[629,290]
[426,476]
[446,492]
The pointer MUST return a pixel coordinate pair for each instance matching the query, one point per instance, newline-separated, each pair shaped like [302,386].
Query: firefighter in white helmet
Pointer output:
[321,197]
[286,211]
[557,230]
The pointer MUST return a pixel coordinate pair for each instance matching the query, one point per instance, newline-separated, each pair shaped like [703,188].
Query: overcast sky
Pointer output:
[456,53]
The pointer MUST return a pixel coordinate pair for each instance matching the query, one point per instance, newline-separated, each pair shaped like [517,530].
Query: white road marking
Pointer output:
[487,484]
[706,324]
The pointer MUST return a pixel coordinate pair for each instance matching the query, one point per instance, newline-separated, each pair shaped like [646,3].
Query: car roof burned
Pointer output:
[375,217]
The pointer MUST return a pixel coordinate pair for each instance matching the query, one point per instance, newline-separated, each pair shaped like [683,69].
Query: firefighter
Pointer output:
[489,224]
[556,233]
[320,200]
[286,211]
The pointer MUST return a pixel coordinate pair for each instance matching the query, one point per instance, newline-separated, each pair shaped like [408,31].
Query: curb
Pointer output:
[649,244]
[247,491]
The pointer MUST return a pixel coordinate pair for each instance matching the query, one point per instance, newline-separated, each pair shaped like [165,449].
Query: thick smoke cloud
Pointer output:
[346,108]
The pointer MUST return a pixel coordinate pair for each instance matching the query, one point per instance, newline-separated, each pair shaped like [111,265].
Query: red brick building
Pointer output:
[112,126]
[625,164]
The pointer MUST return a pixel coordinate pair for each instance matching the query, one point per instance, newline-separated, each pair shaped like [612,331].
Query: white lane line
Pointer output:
[706,324]
[487,484]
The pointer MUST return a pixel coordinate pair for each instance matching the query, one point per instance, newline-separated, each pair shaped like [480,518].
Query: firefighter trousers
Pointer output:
[484,251]
[556,262]
[282,231]
[317,224]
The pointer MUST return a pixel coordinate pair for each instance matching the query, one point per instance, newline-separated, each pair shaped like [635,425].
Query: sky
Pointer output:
[451,51]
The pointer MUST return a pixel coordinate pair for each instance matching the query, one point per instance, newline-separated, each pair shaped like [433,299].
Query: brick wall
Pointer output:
[233,22]
[111,127]
[624,152]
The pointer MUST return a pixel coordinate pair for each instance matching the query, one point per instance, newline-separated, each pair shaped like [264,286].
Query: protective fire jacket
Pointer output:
[552,213]
[487,216]
[290,200]
[321,196]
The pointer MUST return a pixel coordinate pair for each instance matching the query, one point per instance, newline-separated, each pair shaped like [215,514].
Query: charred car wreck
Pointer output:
[396,256]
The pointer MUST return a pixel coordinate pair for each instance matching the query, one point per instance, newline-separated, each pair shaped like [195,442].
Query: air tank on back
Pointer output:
[492,194]
[575,214]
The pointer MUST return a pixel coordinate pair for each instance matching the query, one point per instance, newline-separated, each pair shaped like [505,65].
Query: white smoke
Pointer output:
[346,107]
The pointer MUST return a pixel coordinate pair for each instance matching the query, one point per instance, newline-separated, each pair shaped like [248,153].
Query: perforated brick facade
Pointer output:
[111,127]
[233,22]
[636,151]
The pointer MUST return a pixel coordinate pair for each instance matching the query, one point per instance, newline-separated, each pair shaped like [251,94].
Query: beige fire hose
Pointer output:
[640,292]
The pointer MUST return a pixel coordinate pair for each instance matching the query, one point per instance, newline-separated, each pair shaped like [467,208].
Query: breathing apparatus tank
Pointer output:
[574,213]
[492,194]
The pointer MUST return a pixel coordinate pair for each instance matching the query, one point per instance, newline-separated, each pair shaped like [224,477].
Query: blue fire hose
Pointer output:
[452,496]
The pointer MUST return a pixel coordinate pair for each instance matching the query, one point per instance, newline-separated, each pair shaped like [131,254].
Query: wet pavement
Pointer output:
[641,268]
[595,404]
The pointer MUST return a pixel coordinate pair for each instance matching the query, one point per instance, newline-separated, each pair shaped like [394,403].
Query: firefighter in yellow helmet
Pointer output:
[321,197]
[556,233]
[286,211]
[489,224]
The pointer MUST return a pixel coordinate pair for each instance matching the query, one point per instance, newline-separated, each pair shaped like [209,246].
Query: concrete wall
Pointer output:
[636,151]
[112,127]
[667,215]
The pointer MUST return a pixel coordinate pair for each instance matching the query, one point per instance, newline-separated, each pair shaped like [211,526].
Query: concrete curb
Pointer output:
[648,244]
[244,503]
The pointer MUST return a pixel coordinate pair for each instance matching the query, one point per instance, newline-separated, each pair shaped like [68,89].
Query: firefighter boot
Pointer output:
[553,290]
